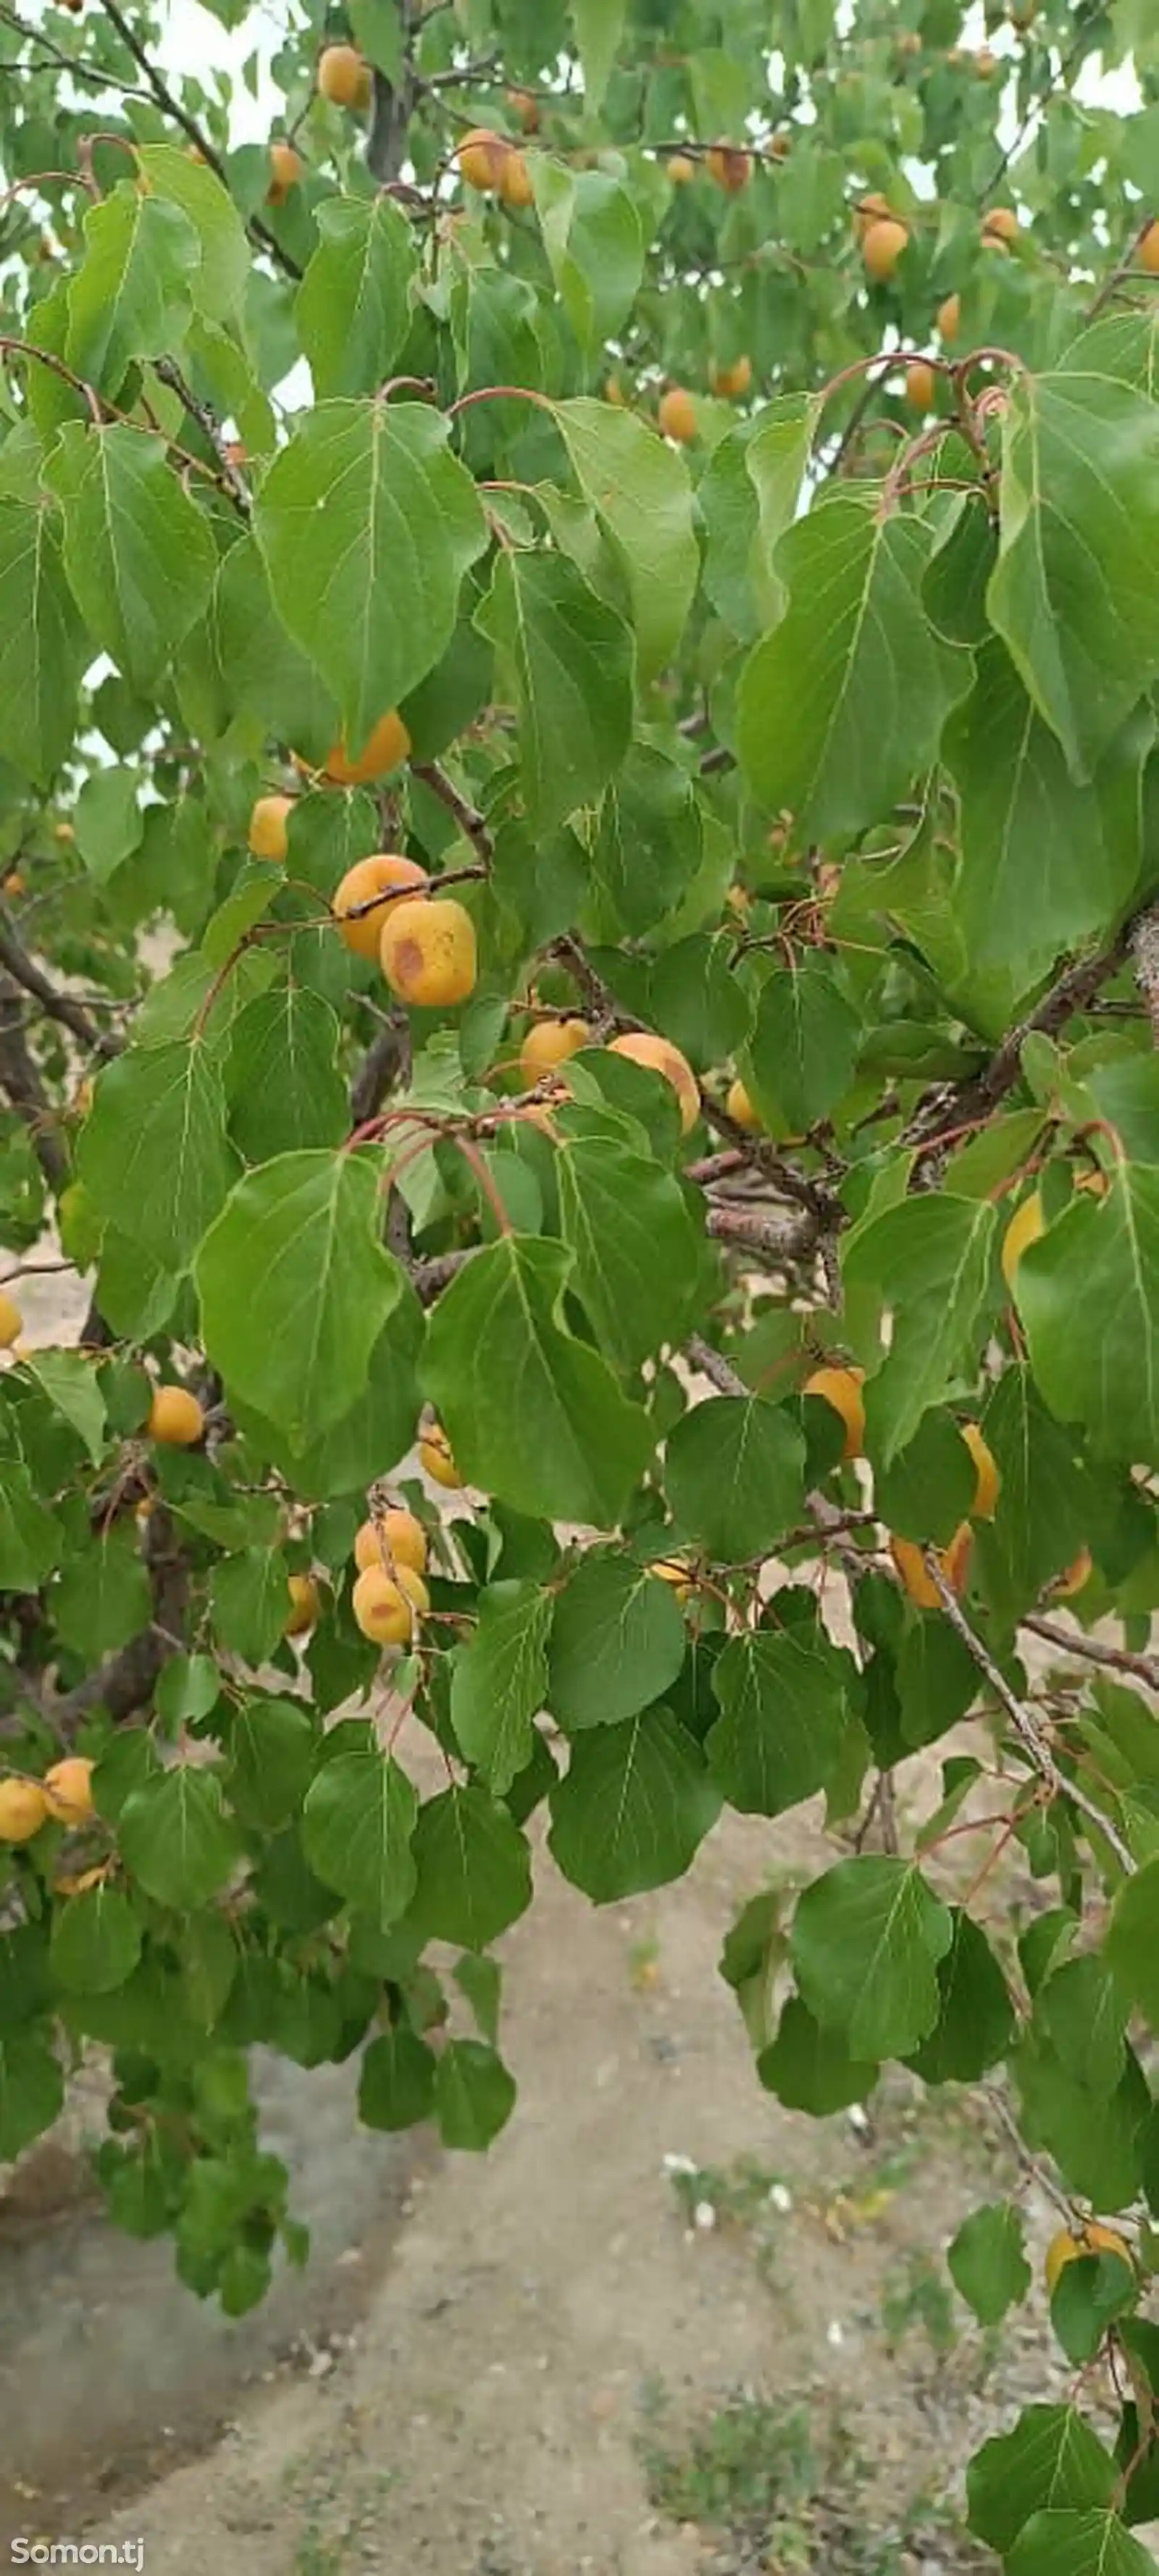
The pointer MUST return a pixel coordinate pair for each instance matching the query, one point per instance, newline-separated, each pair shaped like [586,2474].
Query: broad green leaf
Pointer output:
[649,845]
[137,551]
[281,1075]
[804,1045]
[175,1838]
[599,25]
[927,1261]
[499,1681]
[31,2090]
[42,644]
[396,2086]
[272,1748]
[30,1539]
[809,2068]
[264,673]
[109,820]
[936,1676]
[295,1287]
[1100,1259]
[569,662]
[103,1596]
[152,1152]
[70,1383]
[618,1641]
[367,525]
[182,179]
[474,2094]
[132,293]
[1040,1522]
[634,1242]
[1078,2544]
[975,2022]
[377,1431]
[783,1700]
[1084,2015]
[867,1937]
[1051,2461]
[533,1415]
[249,1602]
[594,240]
[734,1473]
[1095,2137]
[988,2263]
[357,1826]
[697,998]
[353,305]
[1075,592]
[845,700]
[928,1489]
[639,489]
[1132,1948]
[474,1869]
[96,1941]
[747,497]
[632,1807]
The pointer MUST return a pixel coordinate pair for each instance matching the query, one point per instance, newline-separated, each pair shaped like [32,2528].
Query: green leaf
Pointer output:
[1078,2544]
[1051,2461]
[618,1642]
[975,2022]
[783,1699]
[219,282]
[137,551]
[70,1383]
[532,1415]
[474,1869]
[1075,592]
[599,25]
[569,662]
[132,293]
[809,2068]
[1087,2298]
[281,1075]
[734,1473]
[632,1807]
[1132,1944]
[639,489]
[804,1046]
[847,697]
[175,1838]
[353,306]
[928,1488]
[264,673]
[594,240]
[650,845]
[988,2263]
[43,648]
[272,1748]
[1095,2137]
[474,2094]
[152,1152]
[379,1428]
[747,497]
[249,1602]
[928,1263]
[396,2085]
[1040,1521]
[295,1288]
[357,1826]
[499,1682]
[1084,2016]
[867,1937]
[30,1539]
[636,1248]
[1100,1258]
[367,525]
[103,1596]
[31,2091]
[96,1941]
[109,820]
[697,998]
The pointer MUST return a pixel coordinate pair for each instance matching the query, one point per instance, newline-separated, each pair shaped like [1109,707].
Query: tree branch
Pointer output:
[60,1006]
[1116,1659]
[1145,944]
[126,1680]
[231,481]
[471,822]
[784,1237]
[172,107]
[24,1090]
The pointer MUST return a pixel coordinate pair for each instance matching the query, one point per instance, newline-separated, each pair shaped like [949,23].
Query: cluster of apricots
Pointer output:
[344,79]
[495,167]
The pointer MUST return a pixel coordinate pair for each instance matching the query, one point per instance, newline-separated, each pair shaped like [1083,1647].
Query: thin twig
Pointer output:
[471,822]
[59,1006]
[1116,1659]
[230,480]
[171,106]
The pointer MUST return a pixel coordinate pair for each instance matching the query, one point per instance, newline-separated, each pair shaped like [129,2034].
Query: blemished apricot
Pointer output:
[481,155]
[730,168]
[1025,1227]
[23,1809]
[68,1789]
[989,1477]
[882,248]
[741,1109]
[548,1043]
[950,318]
[841,1388]
[515,184]
[11,1321]
[1069,2246]
[642,1046]
[267,836]
[286,168]
[175,1418]
[395,1538]
[676,414]
[730,383]
[305,1604]
[386,1607]
[368,877]
[954,1561]
[920,385]
[1149,250]
[386,746]
[428,952]
[437,1457]
[344,76]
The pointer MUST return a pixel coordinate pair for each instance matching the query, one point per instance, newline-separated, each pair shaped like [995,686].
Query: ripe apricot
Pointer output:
[23,1808]
[548,1043]
[841,1388]
[1076,1575]
[732,382]
[14,883]
[387,745]
[920,385]
[677,415]
[1000,224]
[1026,1224]
[344,76]
[1149,250]
[614,393]
[988,1477]
[435,1455]
[68,1789]
[673,1571]
[385,1606]
[869,210]
[305,1604]
[428,951]
[954,1561]
[395,1538]
[882,248]
[286,167]
[368,877]
[267,832]
[730,168]
[1070,2246]
[481,156]
[950,318]
[515,182]
[524,107]
[740,1108]
[681,169]
[175,1418]
[660,1056]
[11,1321]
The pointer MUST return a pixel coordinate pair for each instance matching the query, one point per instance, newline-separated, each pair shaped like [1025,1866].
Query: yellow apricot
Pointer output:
[386,746]
[680,169]
[732,382]
[614,393]
[659,1055]
[740,1108]
[673,1571]
[988,1477]
[428,951]
[1025,1227]
[367,878]
[395,1538]
[175,1418]
[386,1606]
[305,1604]
[869,210]
[286,168]
[524,107]
[23,1808]
[548,1043]
[882,248]
[950,318]
[14,883]
[267,837]
[676,414]
[1067,1584]
[841,1388]
[1149,250]
[515,182]
[1069,2247]
[920,385]
[730,168]
[344,76]
[481,156]
[954,1561]
[11,1321]
[68,1789]
[435,1455]
[1000,224]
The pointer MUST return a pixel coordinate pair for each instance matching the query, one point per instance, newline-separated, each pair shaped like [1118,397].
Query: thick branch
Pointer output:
[1145,943]
[24,1090]
[959,1104]
[60,1006]
[125,1681]
[784,1237]
[384,1060]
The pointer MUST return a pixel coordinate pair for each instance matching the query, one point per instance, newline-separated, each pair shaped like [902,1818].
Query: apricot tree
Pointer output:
[579,631]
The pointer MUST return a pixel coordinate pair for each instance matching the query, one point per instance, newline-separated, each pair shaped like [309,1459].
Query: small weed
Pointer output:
[920,2298]
[748,2469]
[315,2556]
